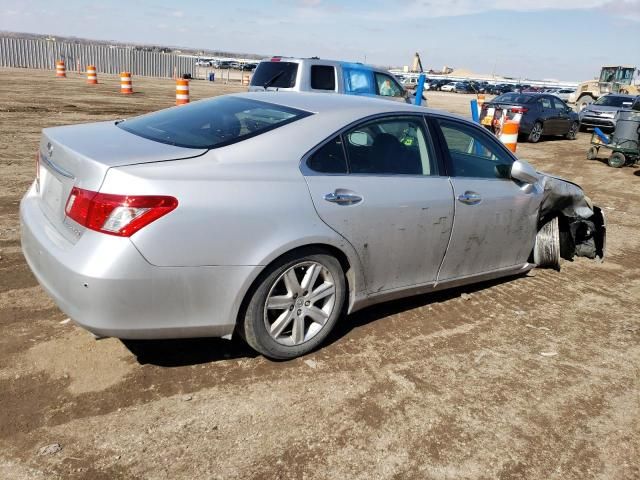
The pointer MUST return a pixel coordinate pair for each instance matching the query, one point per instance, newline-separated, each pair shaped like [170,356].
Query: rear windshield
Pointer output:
[613,101]
[275,74]
[212,123]
[512,98]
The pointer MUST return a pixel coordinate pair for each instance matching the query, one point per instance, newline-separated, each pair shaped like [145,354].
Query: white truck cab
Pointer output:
[326,76]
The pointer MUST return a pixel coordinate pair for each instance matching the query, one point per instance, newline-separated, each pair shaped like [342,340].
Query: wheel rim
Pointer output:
[537,132]
[573,130]
[299,303]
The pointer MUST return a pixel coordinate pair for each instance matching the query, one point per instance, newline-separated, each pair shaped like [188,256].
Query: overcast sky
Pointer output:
[561,39]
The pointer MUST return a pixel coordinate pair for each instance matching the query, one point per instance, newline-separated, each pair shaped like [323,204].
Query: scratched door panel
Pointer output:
[400,229]
[496,232]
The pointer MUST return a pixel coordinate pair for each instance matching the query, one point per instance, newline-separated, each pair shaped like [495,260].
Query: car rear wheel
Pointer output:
[295,305]
[536,133]
[573,131]
[546,249]
[617,160]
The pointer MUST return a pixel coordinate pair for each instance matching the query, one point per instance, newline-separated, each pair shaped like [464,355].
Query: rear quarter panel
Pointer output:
[245,204]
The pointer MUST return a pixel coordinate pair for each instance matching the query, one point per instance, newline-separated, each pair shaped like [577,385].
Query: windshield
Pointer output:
[212,123]
[613,101]
[275,74]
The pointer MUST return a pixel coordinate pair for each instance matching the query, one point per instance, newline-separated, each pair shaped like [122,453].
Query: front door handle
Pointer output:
[343,198]
[470,198]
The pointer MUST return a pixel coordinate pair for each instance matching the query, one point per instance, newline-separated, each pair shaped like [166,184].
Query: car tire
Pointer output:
[536,133]
[546,249]
[583,102]
[617,160]
[573,131]
[592,153]
[286,329]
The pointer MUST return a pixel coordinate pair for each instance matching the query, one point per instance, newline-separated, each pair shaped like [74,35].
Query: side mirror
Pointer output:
[524,172]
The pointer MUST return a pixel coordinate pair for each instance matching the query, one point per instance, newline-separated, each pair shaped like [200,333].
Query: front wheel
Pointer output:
[573,131]
[295,305]
[536,133]
[592,153]
[546,249]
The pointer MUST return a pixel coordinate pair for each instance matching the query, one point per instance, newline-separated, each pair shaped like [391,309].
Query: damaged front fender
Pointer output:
[581,225]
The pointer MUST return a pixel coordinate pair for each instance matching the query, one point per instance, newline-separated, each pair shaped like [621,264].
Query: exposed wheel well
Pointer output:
[305,249]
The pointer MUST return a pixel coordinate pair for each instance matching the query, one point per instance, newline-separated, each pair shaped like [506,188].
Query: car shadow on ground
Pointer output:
[195,351]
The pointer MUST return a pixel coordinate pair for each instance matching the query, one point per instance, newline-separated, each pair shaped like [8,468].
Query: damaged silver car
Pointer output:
[273,215]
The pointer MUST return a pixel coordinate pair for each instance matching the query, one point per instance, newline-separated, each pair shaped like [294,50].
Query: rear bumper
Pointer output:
[105,285]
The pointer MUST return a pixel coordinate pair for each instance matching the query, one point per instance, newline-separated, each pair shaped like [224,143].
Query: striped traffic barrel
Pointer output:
[61,70]
[509,134]
[126,86]
[92,77]
[182,91]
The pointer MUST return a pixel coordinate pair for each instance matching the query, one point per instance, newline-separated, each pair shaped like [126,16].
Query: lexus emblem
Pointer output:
[49,149]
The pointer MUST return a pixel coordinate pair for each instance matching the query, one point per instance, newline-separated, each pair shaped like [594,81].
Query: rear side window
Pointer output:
[275,74]
[329,158]
[358,81]
[323,77]
[212,123]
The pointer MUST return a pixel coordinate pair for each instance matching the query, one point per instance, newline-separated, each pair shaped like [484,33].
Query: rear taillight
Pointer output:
[120,215]
[519,110]
[276,59]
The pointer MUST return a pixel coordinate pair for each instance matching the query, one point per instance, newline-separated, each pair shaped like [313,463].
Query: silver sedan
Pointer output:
[274,215]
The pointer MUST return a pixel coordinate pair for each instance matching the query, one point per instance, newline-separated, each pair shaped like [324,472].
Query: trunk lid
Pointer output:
[80,155]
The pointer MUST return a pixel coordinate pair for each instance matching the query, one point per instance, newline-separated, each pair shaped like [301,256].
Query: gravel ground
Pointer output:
[532,377]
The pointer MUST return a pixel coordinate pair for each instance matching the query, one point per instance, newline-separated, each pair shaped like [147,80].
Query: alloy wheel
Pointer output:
[299,303]
[536,132]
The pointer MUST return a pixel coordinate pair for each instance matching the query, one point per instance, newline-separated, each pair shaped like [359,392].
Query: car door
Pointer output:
[549,116]
[563,117]
[378,185]
[495,220]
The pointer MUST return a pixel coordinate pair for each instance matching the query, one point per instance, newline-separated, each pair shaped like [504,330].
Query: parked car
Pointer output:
[449,87]
[602,112]
[563,93]
[327,76]
[438,84]
[539,114]
[270,214]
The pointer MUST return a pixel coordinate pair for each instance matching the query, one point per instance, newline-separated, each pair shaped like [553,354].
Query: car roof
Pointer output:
[324,61]
[320,103]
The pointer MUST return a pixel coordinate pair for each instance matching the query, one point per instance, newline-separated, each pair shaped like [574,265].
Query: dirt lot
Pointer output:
[436,387]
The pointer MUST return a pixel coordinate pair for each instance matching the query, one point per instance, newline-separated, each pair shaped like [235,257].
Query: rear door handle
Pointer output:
[470,198]
[343,198]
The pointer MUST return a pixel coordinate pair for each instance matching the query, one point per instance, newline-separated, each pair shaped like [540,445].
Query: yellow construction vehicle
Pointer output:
[613,79]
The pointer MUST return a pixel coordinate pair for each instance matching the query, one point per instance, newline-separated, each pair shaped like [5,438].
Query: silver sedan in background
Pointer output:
[275,214]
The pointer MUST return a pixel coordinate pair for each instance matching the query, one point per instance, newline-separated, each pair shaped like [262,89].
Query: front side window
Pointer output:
[387,87]
[323,77]
[394,146]
[473,153]
[212,123]
[329,158]
[559,104]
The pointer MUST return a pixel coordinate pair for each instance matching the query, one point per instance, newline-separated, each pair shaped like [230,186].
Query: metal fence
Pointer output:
[42,54]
